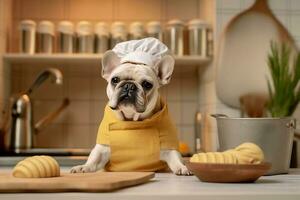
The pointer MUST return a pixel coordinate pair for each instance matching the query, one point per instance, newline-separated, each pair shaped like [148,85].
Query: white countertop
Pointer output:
[169,186]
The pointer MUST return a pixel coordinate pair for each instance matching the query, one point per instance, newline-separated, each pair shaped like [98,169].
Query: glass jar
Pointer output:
[85,37]
[66,37]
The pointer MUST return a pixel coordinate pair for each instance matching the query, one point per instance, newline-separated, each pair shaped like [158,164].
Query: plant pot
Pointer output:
[273,135]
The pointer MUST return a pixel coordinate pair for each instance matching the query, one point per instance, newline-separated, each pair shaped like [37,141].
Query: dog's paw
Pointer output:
[182,171]
[83,169]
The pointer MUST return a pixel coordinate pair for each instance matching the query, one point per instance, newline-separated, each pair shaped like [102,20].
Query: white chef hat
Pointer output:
[146,51]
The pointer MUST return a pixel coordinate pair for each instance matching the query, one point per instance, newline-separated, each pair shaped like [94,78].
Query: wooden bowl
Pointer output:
[228,173]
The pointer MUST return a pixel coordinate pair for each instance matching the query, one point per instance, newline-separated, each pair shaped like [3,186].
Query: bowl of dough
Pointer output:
[245,163]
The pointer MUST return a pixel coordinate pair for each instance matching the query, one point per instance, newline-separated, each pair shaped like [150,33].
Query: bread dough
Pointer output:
[249,153]
[246,153]
[37,167]
[215,157]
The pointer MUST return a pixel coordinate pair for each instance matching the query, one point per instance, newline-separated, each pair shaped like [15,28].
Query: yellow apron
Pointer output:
[136,145]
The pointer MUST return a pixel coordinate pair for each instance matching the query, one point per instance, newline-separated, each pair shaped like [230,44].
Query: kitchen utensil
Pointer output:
[199,32]
[119,33]
[45,37]
[101,37]
[273,135]
[242,54]
[228,173]
[21,130]
[253,105]
[85,37]
[82,182]
[198,133]
[27,36]
[137,31]
[154,29]
[66,37]
[175,37]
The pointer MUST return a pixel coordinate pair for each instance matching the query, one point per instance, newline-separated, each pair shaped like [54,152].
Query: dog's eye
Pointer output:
[146,85]
[115,80]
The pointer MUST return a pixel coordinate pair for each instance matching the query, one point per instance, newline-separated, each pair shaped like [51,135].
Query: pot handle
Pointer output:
[291,124]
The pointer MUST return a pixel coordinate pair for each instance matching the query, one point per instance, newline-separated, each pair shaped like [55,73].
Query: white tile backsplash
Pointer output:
[278,4]
[78,136]
[174,89]
[97,111]
[188,112]
[79,88]
[295,5]
[229,4]
[98,88]
[175,111]
[190,88]
[188,136]
[295,21]
[79,112]
[53,136]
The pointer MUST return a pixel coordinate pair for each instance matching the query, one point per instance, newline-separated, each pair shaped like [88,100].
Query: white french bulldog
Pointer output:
[140,100]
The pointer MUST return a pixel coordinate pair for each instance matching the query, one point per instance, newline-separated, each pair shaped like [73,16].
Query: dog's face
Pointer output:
[133,88]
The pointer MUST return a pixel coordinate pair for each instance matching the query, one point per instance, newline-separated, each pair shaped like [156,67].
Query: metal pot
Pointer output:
[273,135]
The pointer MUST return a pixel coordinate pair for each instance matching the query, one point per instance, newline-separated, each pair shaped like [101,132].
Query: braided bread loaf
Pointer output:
[37,167]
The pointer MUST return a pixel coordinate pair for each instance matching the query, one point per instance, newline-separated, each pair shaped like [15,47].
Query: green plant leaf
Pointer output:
[283,92]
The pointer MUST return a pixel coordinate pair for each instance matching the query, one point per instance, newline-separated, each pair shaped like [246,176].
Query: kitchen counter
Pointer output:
[169,186]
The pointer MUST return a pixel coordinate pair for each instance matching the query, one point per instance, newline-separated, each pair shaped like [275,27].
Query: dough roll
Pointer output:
[37,167]
[246,153]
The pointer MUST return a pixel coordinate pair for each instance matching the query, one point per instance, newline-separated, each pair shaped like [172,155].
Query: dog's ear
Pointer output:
[165,68]
[110,61]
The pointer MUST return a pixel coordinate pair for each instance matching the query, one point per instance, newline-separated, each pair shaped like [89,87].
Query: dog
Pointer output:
[133,94]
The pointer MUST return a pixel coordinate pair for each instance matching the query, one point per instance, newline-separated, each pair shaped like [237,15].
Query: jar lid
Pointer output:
[46,27]
[66,27]
[154,27]
[175,22]
[197,23]
[118,28]
[137,28]
[84,28]
[27,25]
[101,28]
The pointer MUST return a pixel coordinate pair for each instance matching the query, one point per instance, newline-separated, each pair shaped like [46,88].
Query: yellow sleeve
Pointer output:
[103,130]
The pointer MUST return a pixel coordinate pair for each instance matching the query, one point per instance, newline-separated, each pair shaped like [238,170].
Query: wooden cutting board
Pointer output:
[241,60]
[67,182]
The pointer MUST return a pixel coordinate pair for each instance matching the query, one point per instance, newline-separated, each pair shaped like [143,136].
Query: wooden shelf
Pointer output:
[94,59]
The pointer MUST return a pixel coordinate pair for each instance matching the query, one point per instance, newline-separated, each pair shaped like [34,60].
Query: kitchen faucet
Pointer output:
[22,128]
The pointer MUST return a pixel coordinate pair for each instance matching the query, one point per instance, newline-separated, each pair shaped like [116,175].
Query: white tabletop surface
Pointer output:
[169,186]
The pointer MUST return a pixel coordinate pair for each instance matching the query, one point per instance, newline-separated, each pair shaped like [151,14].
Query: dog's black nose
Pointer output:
[129,87]
[128,92]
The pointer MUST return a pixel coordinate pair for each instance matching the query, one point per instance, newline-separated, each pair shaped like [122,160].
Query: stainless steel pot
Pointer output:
[273,135]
